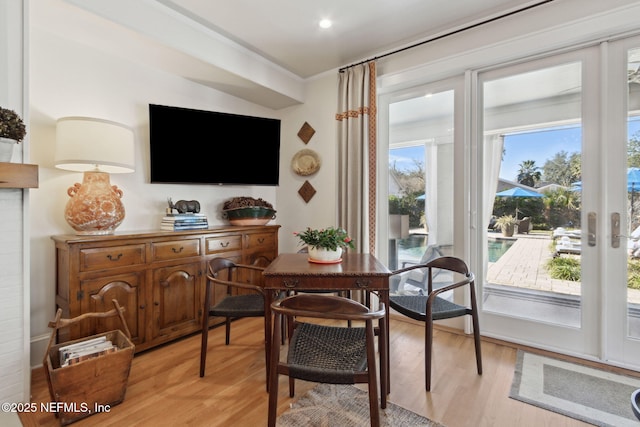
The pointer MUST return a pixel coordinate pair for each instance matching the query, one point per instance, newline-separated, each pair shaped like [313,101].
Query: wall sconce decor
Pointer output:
[96,147]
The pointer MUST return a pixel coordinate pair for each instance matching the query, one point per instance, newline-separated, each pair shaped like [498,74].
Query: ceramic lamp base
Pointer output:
[95,206]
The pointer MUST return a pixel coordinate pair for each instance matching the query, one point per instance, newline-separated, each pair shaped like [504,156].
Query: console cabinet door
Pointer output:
[96,295]
[260,248]
[176,300]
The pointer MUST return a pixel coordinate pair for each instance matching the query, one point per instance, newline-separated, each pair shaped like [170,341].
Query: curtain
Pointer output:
[493,145]
[357,154]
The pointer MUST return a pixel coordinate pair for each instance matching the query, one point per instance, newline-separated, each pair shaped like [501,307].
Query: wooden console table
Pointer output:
[294,272]
[158,276]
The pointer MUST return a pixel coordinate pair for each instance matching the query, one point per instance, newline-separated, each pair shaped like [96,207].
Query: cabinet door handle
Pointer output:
[114,258]
[177,251]
[261,240]
[224,244]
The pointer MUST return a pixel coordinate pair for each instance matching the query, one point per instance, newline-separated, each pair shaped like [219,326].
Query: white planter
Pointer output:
[6,149]
[324,255]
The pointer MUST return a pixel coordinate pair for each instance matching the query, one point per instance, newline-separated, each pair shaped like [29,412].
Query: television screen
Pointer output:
[205,147]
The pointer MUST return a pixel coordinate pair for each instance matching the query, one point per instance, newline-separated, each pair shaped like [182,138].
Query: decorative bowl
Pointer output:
[249,215]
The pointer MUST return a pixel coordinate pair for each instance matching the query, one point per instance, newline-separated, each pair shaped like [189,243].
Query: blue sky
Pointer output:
[541,146]
[538,146]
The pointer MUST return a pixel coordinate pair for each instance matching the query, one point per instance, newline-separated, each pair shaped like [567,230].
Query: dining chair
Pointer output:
[320,351]
[431,306]
[249,302]
[635,403]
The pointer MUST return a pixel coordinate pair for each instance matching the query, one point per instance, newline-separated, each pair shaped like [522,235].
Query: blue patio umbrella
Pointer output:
[518,192]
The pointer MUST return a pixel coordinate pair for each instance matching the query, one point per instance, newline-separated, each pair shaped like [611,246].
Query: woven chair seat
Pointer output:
[327,354]
[250,305]
[414,306]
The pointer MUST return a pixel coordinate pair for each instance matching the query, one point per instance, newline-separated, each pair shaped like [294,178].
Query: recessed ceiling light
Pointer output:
[325,23]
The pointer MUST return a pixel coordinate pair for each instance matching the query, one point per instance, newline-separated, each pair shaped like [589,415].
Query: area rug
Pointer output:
[329,405]
[591,395]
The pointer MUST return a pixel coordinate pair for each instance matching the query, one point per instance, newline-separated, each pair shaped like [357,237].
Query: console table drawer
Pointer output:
[163,251]
[330,283]
[111,257]
[260,241]
[224,244]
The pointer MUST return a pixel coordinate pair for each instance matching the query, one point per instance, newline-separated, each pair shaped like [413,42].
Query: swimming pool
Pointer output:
[412,250]
[497,248]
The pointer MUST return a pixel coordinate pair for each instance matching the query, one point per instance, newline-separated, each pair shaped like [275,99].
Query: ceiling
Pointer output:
[261,51]
[286,32]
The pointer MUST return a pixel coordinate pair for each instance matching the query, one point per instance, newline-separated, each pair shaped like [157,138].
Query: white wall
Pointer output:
[14,204]
[71,79]
[319,111]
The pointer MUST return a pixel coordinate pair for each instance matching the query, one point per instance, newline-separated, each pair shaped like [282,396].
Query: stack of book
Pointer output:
[84,350]
[186,221]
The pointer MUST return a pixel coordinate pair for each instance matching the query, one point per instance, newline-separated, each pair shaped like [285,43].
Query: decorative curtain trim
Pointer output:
[373,156]
[353,113]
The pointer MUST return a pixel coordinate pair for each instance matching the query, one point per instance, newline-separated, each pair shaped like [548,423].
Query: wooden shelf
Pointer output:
[18,175]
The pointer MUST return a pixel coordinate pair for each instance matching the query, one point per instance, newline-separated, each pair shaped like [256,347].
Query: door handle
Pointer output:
[615,230]
[591,228]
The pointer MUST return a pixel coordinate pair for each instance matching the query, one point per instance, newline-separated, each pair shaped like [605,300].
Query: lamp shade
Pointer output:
[84,144]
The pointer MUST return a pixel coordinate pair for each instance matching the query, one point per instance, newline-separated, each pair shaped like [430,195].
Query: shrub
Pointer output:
[563,268]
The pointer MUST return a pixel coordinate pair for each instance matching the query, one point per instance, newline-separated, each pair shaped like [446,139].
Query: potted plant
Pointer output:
[506,224]
[12,131]
[325,244]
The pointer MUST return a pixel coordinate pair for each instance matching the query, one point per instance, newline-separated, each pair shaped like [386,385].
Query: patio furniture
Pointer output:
[328,354]
[562,232]
[415,281]
[524,225]
[432,306]
[568,246]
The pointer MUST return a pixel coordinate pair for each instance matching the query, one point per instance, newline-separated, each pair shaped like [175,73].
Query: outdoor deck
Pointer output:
[523,266]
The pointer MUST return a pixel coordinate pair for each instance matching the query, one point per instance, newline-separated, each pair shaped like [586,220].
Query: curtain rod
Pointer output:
[451,33]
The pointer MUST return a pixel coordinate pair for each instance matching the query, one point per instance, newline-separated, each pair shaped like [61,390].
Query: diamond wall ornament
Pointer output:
[306,132]
[307,191]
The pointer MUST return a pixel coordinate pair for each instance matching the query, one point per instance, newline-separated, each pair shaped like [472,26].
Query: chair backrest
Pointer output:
[635,403]
[237,275]
[218,264]
[325,307]
[449,263]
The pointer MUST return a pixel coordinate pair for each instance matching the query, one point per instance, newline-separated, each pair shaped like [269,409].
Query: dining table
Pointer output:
[354,272]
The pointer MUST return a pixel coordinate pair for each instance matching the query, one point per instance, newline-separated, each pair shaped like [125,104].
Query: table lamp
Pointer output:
[96,147]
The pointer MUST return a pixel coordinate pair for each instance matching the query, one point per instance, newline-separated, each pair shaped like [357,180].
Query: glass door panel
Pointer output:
[633,190]
[534,236]
[539,139]
[420,182]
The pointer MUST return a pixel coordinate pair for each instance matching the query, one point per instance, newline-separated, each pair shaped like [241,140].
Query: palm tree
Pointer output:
[529,174]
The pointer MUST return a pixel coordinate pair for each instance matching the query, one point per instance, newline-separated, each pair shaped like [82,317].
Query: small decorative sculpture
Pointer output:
[184,206]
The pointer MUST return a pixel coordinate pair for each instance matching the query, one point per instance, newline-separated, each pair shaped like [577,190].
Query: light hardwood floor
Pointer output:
[165,388]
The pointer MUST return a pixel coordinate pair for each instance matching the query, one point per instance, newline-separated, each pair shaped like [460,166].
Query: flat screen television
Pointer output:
[204,147]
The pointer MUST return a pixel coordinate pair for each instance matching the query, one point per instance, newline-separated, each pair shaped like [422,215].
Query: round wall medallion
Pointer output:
[305,162]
